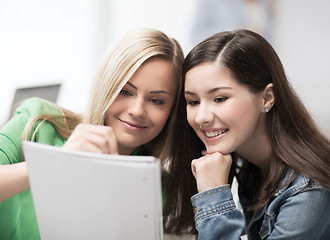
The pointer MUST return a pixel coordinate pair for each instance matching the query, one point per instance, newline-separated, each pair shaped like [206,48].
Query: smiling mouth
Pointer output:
[212,134]
[134,125]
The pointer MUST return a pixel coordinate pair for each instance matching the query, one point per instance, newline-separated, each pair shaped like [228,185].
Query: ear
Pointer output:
[268,97]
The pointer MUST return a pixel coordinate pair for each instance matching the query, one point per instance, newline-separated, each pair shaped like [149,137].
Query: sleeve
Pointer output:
[216,214]
[11,134]
[305,215]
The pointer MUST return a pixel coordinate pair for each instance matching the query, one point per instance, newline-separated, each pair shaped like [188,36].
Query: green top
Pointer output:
[17,215]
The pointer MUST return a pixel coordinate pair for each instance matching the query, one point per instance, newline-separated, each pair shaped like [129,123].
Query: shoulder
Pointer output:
[39,117]
[299,184]
[37,106]
[28,109]
[303,194]
[301,209]
[13,132]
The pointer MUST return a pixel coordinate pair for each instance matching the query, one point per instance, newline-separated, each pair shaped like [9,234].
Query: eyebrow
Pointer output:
[213,90]
[155,91]
[133,86]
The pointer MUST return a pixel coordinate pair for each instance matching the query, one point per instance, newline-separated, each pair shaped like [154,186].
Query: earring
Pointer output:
[266,109]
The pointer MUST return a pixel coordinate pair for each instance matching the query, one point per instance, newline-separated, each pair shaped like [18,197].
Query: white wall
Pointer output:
[44,42]
[302,38]
[171,16]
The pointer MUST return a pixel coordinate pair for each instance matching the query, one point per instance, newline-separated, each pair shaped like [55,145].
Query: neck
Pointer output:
[124,150]
[260,158]
[257,151]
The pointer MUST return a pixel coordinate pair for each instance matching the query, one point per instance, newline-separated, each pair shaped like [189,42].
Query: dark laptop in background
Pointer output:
[48,92]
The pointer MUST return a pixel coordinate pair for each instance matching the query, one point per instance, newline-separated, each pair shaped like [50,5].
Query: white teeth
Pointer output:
[214,133]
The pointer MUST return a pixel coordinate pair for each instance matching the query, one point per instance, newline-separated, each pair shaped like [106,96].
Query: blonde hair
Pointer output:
[120,62]
[118,65]
[64,123]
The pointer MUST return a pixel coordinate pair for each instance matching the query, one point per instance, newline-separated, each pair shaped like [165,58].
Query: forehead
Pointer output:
[209,74]
[155,73]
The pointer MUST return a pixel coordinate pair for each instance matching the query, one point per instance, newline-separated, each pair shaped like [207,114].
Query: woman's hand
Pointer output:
[93,138]
[211,170]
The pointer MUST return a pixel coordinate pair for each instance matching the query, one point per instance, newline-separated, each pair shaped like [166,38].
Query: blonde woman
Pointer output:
[131,109]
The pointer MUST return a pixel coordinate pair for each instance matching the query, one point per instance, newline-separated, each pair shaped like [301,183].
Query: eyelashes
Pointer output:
[216,100]
[127,93]
[220,99]
[192,102]
[156,101]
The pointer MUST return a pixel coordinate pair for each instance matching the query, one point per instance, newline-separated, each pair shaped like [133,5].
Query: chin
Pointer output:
[213,149]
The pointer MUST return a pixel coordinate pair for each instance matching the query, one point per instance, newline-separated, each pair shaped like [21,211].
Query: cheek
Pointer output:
[107,117]
[191,118]
[160,117]
[240,118]
[233,111]
[231,116]
[115,108]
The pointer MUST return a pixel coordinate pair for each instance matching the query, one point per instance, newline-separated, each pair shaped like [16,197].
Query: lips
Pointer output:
[215,133]
[132,124]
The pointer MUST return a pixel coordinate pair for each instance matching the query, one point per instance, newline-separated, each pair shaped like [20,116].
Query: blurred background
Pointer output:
[60,42]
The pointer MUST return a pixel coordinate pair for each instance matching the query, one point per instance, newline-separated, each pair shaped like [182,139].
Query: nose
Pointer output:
[137,107]
[204,116]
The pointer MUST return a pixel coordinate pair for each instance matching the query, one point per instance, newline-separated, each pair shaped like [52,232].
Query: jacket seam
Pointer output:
[211,192]
[218,210]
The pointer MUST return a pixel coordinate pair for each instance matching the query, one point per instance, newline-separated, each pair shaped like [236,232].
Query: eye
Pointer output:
[192,102]
[156,101]
[220,99]
[125,92]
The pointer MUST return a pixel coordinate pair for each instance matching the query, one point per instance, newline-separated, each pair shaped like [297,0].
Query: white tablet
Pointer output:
[82,195]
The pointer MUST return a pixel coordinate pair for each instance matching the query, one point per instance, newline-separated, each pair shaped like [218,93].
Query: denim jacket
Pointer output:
[299,211]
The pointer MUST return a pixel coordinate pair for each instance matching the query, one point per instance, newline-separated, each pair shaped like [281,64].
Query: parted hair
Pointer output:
[297,143]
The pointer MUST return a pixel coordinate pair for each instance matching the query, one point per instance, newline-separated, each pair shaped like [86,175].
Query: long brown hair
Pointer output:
[296,141]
